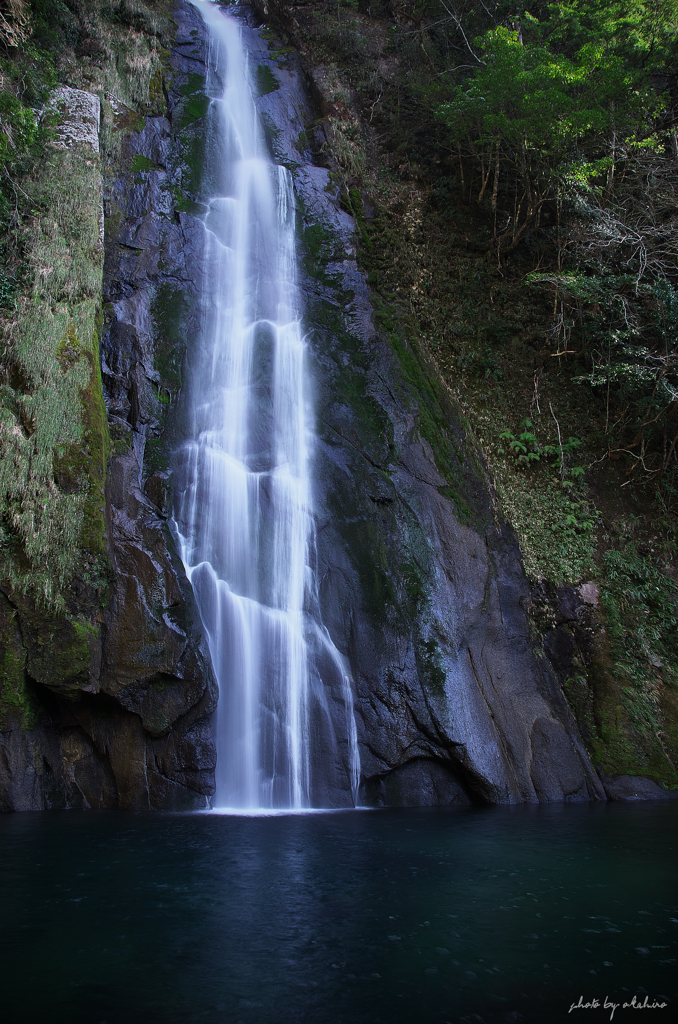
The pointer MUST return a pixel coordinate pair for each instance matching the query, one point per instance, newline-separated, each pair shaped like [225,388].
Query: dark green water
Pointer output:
[423,916]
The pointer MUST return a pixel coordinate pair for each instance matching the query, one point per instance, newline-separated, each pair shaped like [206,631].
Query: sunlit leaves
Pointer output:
[18,126]
[526,97]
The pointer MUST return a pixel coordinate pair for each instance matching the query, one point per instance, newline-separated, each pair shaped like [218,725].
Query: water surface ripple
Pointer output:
[354,917]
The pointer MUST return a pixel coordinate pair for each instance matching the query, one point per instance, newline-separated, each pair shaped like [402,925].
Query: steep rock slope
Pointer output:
[107,691]
[421,582]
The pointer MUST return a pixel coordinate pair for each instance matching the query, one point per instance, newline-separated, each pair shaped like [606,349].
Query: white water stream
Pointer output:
[243,510]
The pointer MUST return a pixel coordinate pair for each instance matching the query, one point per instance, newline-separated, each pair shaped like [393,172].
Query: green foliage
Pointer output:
[626,336]
[643,605]
[561,112]
[54,25]
[641,32]
[53,429]
[7,286]
[527,450]
[25,81]
[518,445]
[551,101]
[555,520]
[18,127]
[556,532]
[527,98]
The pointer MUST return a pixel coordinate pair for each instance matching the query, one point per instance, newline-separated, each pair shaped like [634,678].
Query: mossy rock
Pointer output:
[169,309]
[59,650]
[16,703]
[264,80]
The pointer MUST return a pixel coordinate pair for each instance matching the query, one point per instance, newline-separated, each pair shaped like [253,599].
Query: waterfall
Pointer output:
[285,730]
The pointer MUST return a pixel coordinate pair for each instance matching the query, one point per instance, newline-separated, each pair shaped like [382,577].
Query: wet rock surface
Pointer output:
[156,665]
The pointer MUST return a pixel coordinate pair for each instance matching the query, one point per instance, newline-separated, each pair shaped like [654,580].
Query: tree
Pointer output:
[541,116]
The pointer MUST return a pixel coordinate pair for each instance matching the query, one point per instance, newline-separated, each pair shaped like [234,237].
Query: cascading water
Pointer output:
[243,508]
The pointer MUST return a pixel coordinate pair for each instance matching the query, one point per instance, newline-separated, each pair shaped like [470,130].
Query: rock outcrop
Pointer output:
[421,582]
[113,709]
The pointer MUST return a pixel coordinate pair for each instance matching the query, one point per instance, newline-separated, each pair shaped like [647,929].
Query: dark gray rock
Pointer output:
[627,788]
[418,783]
[556,768]
[156,663]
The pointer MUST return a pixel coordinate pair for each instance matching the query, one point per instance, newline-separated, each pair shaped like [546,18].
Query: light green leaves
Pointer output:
[528,98]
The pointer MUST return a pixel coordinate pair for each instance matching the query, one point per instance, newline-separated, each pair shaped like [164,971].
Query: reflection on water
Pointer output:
[391,916]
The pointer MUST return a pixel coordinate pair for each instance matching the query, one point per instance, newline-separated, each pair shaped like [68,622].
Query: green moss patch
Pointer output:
[186,205]
[264,80]
[59,650]
[194,109]
[16,703]
[193,158]
[429,663]
[142,164]
[157,456]
[194,84]
[169,310]
[319,248]
[635,676]
[53,429]
[195,102]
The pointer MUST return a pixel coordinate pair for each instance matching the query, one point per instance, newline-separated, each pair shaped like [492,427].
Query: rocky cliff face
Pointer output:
[460,663]
[116,702]
[421,583]
[420,238]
